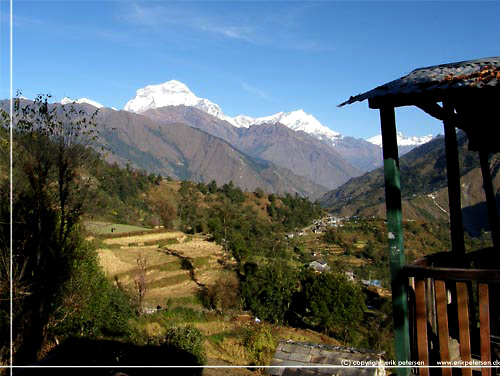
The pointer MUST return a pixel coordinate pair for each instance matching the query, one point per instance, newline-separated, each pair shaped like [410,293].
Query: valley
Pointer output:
[219,272]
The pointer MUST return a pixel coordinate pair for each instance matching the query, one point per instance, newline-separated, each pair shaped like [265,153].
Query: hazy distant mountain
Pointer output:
[196,118]
[423,187]
[359,153]
[295,120]
[67,100]
[367,154]
[152,98]
[402,140]
[182,152]
[175,93]
[297,151]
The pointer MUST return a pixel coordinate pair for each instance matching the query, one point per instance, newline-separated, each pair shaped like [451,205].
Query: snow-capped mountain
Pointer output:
[67,100]
[402,140]
[171,93]
[175,93]
[297,120]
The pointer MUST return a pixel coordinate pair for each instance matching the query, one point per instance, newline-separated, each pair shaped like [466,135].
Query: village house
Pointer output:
[319,266]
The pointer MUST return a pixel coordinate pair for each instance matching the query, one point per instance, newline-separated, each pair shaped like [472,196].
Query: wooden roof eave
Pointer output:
[436,96]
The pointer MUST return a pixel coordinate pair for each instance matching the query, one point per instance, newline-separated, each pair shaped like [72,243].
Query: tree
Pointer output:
[224,294]
[202,187]
[259,192]
[188,205]
[140,280]
[50,156]
[212,187]
[330,302]
[267,290]
[163,205]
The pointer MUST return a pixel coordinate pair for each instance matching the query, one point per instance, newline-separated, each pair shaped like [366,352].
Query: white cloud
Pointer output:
[255,91]
[259,28]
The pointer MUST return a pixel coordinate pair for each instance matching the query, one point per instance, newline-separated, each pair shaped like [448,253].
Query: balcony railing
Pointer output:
[454,312]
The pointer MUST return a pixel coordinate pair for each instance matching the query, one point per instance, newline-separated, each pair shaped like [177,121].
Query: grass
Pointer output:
[200,261]
[165,242]
[167,266]
[105,228]
[180,314]
[167,281]
[218,338]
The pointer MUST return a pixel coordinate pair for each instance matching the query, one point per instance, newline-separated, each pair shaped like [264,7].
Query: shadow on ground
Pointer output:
[98,353]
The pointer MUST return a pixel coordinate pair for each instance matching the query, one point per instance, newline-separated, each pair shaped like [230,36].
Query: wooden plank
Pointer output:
[484,326]
[463,326]
[395,237]
[453,173]
[442,319]
[455,274]
[421,317]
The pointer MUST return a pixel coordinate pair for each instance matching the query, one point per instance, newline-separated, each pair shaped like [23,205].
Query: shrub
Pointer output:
[91,304]
[188,339]
[260,345]
[223,295]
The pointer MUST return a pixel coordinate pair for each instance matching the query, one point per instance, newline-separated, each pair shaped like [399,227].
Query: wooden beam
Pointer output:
[395,237]
[433,109]
[491,202]
[454,189]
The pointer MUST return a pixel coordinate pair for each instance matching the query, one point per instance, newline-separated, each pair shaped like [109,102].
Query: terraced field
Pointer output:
[105,228]
[163,253]
[173,287]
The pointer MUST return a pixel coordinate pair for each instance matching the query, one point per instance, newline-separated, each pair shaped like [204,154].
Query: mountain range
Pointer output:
[167,129]
[423,188]
[362,155]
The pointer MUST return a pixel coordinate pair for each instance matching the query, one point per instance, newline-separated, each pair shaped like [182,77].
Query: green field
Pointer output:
[106,228]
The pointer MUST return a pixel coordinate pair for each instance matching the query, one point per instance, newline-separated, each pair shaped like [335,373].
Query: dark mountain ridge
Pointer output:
[423,187]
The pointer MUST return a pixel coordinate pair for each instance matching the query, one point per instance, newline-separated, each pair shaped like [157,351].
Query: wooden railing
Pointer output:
[454,311]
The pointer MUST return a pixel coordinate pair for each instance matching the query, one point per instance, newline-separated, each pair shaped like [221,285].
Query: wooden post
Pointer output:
[421,319]
[490,198]
[395,235]
[484,326]
[453,172]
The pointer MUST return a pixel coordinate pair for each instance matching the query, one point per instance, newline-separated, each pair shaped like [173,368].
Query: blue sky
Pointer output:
[253,58]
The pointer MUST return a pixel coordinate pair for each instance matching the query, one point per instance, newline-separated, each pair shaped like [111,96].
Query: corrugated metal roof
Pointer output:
[313,359]
[436,80]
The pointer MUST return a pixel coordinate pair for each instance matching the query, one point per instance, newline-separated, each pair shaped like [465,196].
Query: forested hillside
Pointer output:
[423,188]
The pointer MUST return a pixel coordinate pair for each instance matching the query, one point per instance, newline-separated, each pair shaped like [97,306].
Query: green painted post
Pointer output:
[395,237]
[454,187]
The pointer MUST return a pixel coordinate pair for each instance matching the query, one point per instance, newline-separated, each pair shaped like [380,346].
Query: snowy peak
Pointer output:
[67,100]
[297,120]
[175,93]
[170,93]
[302,121]
[402,140]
